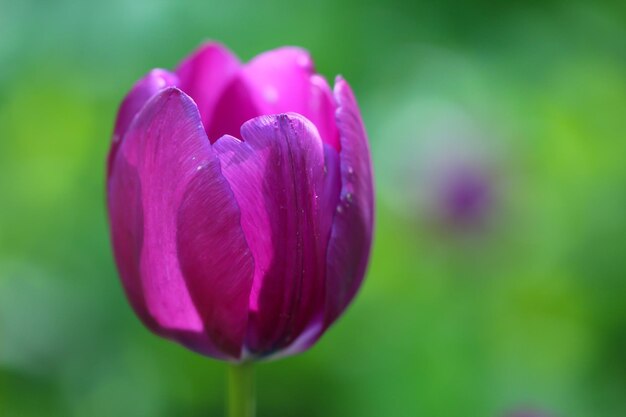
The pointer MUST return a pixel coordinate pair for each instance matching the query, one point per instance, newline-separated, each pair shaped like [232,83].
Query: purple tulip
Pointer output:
[240,199]
[464,197]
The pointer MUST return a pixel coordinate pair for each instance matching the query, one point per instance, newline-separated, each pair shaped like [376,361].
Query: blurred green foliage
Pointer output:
[528,312]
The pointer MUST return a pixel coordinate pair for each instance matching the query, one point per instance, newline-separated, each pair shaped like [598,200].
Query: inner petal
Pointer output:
[278,81]
[205,75]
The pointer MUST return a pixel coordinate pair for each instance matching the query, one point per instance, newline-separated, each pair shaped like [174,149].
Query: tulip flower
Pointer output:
[240,200]
[443,172]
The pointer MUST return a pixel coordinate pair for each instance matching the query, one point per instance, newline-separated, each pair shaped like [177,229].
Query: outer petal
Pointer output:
[154,175]
[277,175]
[142,91]
[351,235]
[204,76]
[214,257]
[328,204]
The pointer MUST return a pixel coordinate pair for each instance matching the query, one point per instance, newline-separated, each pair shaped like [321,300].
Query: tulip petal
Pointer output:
[322,107]
[284,80]
[204,76]
[351,235]
[277,176]
[142,91]
[280,79]
[152,184]
[328,204]
[215,258]
[233,109]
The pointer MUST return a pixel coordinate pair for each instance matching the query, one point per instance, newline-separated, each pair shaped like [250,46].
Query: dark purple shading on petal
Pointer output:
[328,202]
[277,176]
[155,167]
[351,235]
[142,91]
[215,258]
[233,109]
[204,76]
[332,187]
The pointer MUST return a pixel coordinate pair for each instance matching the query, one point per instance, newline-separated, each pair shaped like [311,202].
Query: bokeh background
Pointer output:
[497,282]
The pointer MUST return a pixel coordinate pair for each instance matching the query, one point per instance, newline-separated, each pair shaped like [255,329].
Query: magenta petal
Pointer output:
[215,258]
[281,80]
[322,107]
[332,187]
[234,108]
[284,80]
[351,235]
[205,75]
[142,91]
[156,168]
[277,176]
[328,203]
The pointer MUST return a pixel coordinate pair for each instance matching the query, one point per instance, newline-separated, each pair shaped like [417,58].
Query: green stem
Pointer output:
[241,393]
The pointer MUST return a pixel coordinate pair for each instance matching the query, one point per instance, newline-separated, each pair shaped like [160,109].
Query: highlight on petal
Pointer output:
[204,76]
[283,80]
[142,91]
[351,235]
[278,81]
[273,82]
[155,172]
[277,176]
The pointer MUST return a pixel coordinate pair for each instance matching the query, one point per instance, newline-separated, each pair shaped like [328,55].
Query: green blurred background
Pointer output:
[521,305]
